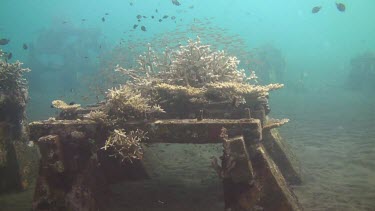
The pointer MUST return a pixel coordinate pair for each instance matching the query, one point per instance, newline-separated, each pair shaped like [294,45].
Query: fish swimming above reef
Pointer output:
[9,56]
[340,6]
[4,41]
[176,2]
[316,9]
[143,28]
[24,46]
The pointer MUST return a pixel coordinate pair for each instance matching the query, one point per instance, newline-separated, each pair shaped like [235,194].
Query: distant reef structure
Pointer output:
[362,73]
[16,158]
[269,64]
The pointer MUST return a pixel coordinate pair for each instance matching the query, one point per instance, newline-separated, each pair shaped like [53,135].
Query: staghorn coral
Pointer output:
[98,116]
[192,65]
[12,81]
[126,146]
[59,104]
[128,103]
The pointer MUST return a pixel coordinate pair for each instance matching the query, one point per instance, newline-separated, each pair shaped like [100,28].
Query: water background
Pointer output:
[331,128]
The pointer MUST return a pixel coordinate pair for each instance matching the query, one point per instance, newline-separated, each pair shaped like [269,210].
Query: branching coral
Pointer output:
[98,116]
[194,71]
[129,103]
[12,79]
[126,146]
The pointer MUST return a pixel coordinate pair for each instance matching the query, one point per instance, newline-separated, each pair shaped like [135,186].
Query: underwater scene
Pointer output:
[187,105]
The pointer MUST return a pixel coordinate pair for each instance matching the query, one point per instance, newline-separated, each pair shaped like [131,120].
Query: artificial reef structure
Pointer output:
[190,95]
[362,72]
[16,158]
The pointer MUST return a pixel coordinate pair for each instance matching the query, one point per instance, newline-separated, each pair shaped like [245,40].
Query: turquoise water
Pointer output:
[331,128]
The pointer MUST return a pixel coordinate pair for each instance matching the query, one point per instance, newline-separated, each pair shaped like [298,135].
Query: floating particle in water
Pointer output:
[135,26]
[139,20]
[131,4]
[64,22]
[144,16]
[4,41]
[340,6]
[10,55]
[176,2]
[139,16]
[106,13]
[316,9]
[143,28]
[160,20]
[191,7]
[165,16]
[103,19]
[173,17]
[24,46]
[152,17]
[83,19]
[156,10]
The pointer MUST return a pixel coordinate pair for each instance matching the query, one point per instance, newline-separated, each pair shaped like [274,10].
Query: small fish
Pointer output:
[135,26]
[152,17]
[139,20]
[143,28]
[156,10]
[139,16]
[106,13]
[165,16]
[173,17]
[131,4]
[316,9]
[4,41]
[64,22]
[10,55]
[176,2]
[103,19]
[83,19]
[340,6]
[160,20]
[86,57]
[72,103]
[144,16]
[24,46]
